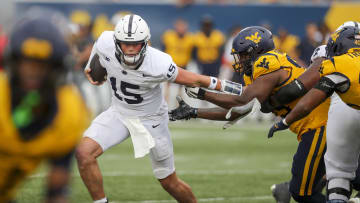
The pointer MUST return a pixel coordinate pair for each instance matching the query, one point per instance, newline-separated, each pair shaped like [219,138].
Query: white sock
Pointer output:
[103,200]
[338,183]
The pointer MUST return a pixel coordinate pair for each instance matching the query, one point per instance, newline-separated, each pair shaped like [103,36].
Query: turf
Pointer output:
[234,165]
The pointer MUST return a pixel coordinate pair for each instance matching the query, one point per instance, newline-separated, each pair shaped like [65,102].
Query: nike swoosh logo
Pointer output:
[154,126]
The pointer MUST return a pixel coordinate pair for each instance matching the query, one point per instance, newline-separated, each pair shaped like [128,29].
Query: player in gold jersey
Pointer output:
[265,72]
[340,74]
[42,118]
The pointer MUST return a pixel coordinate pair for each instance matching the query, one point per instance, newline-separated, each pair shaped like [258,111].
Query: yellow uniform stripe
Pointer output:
[316,163]
[308,161]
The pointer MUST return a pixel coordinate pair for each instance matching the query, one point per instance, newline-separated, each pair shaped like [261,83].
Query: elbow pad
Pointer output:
[326,85]
[290,92]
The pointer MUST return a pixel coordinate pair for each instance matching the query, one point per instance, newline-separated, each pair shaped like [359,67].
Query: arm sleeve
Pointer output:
[290,92]
[170,69]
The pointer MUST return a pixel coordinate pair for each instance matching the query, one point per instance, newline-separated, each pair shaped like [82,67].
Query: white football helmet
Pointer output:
[131,29]
[349,23]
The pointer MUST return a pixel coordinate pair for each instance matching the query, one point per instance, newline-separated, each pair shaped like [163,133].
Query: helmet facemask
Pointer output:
[130,60]
[131,30]
[243,62]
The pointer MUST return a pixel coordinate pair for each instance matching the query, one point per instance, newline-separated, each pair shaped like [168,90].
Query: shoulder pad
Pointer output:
[265,64]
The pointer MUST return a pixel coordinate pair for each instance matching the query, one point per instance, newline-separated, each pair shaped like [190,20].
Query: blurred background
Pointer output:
[198,35]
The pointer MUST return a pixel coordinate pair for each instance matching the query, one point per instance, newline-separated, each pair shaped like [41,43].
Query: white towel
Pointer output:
[140,137]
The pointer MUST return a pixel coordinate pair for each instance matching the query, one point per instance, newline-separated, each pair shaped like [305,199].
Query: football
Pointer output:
[98,73]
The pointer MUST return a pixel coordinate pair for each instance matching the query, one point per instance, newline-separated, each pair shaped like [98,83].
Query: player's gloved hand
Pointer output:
[231,87]
[319,52]
[195,92]
[281,125]
[183,111]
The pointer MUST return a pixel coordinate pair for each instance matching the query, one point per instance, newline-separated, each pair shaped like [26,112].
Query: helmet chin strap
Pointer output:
[129,60]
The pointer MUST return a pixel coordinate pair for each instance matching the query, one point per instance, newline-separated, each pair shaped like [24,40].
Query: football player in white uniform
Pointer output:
[138,110]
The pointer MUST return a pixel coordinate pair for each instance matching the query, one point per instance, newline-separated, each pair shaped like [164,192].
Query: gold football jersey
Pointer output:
[347,66]
[18,157]
[179,48]
[208,47]
[273,61]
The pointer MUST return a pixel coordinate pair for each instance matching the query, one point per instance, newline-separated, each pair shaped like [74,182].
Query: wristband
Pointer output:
[213,83]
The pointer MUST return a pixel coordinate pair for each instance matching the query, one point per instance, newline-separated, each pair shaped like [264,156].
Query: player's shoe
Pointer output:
[355,199]
[281,192]
[336,201]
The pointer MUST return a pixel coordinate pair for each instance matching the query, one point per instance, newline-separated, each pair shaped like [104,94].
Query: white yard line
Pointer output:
[203,199]
[200,172]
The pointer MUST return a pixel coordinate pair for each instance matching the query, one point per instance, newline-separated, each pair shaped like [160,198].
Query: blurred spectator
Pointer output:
[3,43]
[307,45]
[208,48]
[97,98]
[286,43]
[178,43]
[101,23]
[226,70]
[184,3]
[82,40]
[117,16]
[325,32]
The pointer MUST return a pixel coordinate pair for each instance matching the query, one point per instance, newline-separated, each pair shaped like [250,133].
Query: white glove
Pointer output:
[319,52]
[230,87]
[195,92]
[243,110]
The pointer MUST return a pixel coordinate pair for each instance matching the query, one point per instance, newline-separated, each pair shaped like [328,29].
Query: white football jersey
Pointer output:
[135,92]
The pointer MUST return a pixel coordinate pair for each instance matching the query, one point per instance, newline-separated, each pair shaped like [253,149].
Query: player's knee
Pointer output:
[84,157]
[170,182]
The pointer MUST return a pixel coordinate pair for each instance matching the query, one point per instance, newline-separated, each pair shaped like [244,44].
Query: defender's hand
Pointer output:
[184,111]
[281,125]
[195,92]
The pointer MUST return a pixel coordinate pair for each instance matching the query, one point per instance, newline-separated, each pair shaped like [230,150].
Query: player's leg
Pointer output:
[162,159]
[343,147]
[105,131]
[13,172]
[177,188]
[308,167]
[86,154]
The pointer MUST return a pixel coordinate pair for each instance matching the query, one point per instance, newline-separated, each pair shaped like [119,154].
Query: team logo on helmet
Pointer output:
[36,48]
[255,37]
[335,35]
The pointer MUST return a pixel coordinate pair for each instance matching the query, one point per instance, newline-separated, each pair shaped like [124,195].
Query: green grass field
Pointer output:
[234,165]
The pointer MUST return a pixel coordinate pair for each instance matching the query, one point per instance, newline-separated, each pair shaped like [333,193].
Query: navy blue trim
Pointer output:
[270,54]
[130,25]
